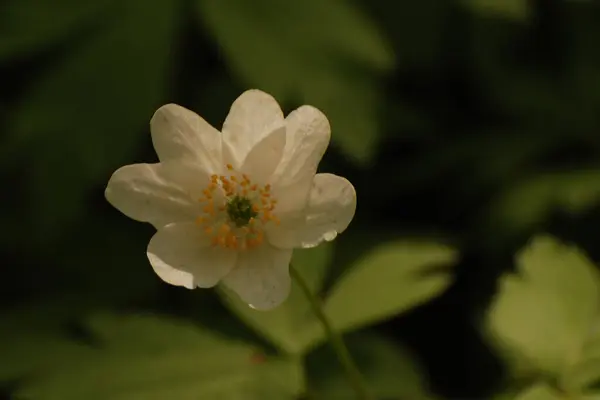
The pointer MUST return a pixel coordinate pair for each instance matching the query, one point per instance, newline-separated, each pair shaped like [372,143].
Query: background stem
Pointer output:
[354,376]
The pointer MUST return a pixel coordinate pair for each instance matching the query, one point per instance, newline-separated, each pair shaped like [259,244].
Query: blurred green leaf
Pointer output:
[390,279]
[292,326]
[539,391]
[530,202]
[32,25]
[84,116]
[390,370]
[584,373]
[150,357]
[511,9]
[545,313]
[543,391]
[291,50]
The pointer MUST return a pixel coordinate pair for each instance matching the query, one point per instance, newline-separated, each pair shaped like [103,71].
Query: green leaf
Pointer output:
[518,10]
[90,110]
[544,313]
[390,370]
[150,357]
[584,373]
[532,200]
[539,391]
[33,25]
[392,278]
[290,50]
[292,326]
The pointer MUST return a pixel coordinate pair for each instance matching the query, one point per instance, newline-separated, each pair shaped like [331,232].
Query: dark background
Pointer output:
[477,124]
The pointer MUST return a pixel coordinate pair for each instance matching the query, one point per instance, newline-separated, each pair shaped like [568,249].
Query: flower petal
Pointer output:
[181,255]
[178,133]
[154,193]
[261,277]
[308,135]
[253,115]
[330,210]
[265,156]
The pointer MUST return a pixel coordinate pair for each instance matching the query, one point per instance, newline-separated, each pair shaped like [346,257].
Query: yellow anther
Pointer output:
[268,187]
[207,193]
[251,221]
[208,230]
[246,178]
[224,229]
[232,241]
[255,208]
[233,178]
[230,167]
[253,187]
[214,177]
[264,201]
[209,208]
[265,194]
[200,220]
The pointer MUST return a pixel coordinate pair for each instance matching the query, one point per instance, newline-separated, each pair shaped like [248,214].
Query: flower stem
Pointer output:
[353,374]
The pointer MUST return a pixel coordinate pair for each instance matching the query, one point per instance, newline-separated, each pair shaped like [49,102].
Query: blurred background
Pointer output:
[472,122]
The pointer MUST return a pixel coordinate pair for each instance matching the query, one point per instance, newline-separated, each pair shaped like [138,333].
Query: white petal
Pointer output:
[265,156]
[181,255]
[261,277]
[330,210]
[178,133]
[154,193]
[253,115]
[308,134]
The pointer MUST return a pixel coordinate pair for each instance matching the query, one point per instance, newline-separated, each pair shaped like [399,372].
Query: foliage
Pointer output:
[464,122]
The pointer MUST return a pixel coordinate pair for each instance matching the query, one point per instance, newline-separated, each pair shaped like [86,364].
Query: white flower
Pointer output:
[231,206]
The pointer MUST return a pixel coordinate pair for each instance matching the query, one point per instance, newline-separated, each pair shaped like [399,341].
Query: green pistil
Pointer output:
[239,210]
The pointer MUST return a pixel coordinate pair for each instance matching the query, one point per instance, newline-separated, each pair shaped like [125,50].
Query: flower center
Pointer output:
[237,220]
[240,212]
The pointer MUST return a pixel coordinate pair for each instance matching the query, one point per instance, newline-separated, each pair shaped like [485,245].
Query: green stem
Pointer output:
[354,376]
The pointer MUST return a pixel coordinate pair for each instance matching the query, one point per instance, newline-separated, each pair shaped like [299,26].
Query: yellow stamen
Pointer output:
[224,229]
